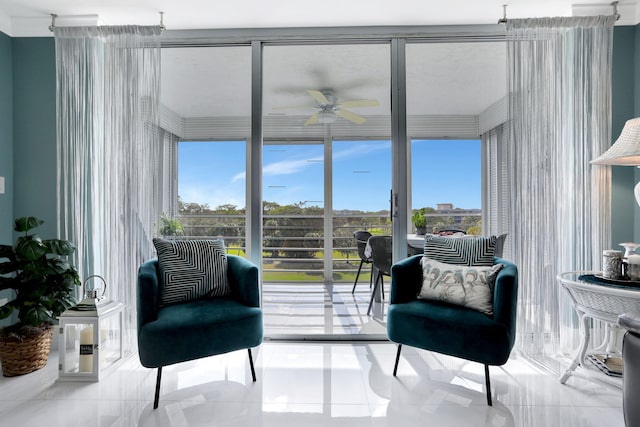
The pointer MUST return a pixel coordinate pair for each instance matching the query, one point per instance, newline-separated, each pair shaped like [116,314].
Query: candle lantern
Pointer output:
[90,334]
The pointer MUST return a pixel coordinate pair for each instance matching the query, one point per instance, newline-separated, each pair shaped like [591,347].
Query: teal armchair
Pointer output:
[452,329]
[201,328]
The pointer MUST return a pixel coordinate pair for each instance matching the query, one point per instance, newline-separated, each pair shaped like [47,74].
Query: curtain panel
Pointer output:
[109,152]
[559,72]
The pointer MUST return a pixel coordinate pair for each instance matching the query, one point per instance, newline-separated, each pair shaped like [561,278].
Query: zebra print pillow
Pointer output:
[477,251]
[191,269]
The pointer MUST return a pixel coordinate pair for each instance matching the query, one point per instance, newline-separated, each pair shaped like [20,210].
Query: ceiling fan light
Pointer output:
[327,116]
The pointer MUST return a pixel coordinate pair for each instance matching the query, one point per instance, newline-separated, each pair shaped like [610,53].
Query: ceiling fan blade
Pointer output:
[318,96]
[312,120]
[360,103]
[351,116]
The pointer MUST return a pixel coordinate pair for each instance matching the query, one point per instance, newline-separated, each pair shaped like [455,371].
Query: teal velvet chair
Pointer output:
[201,328]
[452,329]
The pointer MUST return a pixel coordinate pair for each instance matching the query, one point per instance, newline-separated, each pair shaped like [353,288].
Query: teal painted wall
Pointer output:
[6,149]
[6,138]
[622,201]
[34,131]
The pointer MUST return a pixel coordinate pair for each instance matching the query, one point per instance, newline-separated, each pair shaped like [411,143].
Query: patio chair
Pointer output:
[381,254]
[362,237]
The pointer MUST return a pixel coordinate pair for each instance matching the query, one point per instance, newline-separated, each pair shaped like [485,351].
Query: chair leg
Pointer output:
[488,383]
[357,276]
[395,367]
[157,396]
[253,371]
[373,294]
[382,287]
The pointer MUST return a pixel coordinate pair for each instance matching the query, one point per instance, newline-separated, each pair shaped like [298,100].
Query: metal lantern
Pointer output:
[90,335]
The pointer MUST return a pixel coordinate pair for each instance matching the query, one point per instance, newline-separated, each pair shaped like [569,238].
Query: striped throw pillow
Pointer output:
[478,251]
[191,269]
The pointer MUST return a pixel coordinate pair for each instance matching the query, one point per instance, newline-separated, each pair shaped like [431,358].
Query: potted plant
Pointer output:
[170,226]
[419,221]
[43,282]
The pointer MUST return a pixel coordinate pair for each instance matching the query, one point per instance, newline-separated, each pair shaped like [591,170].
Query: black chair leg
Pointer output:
[253,371]
[488,383]
[395,367]
[157,396]
[373,293]
[357,276]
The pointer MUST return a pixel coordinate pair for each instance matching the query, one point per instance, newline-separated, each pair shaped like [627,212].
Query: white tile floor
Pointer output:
[316,309]
[312,384]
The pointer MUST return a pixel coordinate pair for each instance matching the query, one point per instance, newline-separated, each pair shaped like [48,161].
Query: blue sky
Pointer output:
[443,171]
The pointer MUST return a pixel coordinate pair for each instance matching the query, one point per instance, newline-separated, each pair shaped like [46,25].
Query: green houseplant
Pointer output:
[43,281]
[170,226]
[419,221]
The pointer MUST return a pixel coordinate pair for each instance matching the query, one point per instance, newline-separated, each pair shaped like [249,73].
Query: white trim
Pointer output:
[494,115]
[171,121]
[234,127]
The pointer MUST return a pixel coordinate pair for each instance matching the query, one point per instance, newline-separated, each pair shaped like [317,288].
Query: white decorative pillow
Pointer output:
[469,286]
[191,269]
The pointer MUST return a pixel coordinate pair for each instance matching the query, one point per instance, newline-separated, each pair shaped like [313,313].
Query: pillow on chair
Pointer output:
[461,251]
[191,269]
[469,286]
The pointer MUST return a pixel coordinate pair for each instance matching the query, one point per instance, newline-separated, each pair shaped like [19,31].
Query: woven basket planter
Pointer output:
[22,357]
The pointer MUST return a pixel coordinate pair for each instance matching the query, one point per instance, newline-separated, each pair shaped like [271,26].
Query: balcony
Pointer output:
[294,245]
[297,297]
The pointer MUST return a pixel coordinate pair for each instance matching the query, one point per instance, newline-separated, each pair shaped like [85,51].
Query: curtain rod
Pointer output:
[614,5]
[54,16]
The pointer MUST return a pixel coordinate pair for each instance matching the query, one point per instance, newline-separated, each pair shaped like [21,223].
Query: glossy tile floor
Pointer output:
[312,384]
[323,310]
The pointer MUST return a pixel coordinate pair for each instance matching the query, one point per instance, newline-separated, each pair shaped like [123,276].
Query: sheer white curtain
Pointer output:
[560,119]
[109,152]
[495,220]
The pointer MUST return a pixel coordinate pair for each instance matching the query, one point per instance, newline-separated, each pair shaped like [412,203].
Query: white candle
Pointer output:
[86,356]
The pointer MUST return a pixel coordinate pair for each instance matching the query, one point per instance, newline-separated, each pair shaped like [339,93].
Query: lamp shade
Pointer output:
[626,150]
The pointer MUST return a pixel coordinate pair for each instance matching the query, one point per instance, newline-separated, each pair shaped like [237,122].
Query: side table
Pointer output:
[603,302]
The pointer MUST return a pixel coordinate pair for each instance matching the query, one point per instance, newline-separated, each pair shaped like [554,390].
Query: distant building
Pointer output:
[456,214]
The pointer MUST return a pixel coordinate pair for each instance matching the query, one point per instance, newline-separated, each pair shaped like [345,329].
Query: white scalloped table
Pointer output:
[601,302]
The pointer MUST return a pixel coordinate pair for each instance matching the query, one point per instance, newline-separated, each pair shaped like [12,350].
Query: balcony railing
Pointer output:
[294,246]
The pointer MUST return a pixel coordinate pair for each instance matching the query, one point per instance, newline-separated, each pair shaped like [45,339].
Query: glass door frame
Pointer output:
[397,36]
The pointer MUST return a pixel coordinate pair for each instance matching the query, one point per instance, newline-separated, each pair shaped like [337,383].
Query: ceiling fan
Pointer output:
[329,108]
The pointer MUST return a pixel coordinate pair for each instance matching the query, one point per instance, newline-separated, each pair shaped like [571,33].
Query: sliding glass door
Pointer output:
[326,173]
[291,187]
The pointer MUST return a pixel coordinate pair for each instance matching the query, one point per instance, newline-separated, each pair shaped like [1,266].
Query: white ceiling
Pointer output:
[203,82]
[15,15]
[447,78]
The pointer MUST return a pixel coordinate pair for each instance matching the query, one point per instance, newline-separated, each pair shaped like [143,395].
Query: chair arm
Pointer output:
[505,296]
[147,298]
[244,280]
[406,280]
[630,321]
